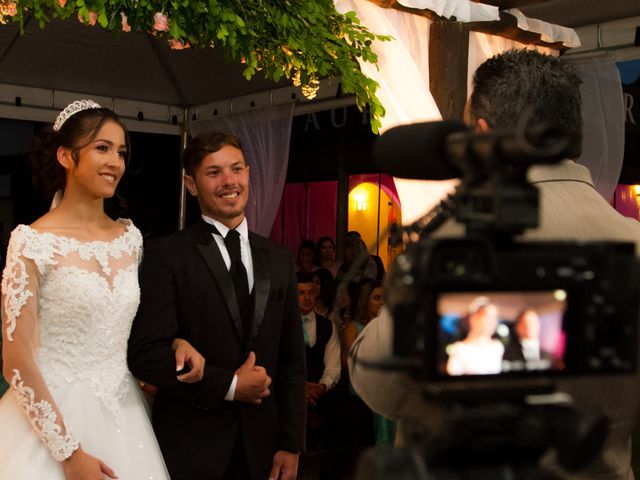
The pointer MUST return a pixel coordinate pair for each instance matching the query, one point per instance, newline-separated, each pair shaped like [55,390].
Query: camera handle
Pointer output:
[493,441]
[386,463]
[425,225]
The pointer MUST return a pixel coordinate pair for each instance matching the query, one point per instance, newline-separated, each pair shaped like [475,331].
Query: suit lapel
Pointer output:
[261,285]
[210,252]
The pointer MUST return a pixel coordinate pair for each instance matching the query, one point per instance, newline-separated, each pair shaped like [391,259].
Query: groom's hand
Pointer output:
[253,382]
[285,466]
[188,361]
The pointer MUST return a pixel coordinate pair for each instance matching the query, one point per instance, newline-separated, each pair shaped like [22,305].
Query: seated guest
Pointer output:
[306,257]
[326,248]
[357,264]
[325,291]
[380,270]
[321,341]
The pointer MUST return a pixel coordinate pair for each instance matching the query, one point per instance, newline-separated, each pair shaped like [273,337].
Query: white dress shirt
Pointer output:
[245,247]
[530,349]
[331,373]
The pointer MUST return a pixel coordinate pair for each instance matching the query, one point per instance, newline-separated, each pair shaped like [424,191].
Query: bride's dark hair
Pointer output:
[76,132]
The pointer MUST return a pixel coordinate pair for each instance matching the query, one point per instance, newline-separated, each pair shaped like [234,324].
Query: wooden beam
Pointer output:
[506,27]
[505,4]
[448,54]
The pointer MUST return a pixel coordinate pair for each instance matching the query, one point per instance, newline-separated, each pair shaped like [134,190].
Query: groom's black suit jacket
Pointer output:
[187,292]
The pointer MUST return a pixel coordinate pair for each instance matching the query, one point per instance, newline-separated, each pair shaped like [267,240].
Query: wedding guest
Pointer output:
[356,262]
[306,257]
[326,248]
[321,341]
[324,291]
[370,301]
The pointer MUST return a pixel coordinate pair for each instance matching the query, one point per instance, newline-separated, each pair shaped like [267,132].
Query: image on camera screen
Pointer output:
[492,333]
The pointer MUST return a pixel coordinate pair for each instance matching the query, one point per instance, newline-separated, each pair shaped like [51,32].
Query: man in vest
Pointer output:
[325,403]
[321,342]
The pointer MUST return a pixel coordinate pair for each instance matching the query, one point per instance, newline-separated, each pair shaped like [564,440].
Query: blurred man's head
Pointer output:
[528,325]
[527,82]
[306,292]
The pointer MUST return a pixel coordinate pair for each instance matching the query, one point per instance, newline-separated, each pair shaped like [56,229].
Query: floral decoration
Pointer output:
[302,40]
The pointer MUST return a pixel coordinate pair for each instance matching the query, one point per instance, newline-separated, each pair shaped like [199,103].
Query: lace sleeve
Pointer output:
[139,247]
[20,282]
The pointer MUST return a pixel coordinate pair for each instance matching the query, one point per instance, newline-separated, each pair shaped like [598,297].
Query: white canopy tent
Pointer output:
[152,88]
[132,73]
[159,90]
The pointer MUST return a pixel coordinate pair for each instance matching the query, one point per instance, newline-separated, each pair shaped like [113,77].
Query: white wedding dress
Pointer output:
[67,312]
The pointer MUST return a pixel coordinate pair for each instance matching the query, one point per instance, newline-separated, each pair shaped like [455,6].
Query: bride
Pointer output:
[69,295]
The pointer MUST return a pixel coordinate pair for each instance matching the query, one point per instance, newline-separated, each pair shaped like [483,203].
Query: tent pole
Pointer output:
[184,135]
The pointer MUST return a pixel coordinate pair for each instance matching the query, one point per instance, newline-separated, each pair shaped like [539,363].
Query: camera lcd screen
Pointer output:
[494,333]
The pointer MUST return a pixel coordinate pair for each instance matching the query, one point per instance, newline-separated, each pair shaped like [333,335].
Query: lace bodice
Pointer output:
[70,304]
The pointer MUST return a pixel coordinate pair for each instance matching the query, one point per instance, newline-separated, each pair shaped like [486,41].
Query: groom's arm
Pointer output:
[150,354]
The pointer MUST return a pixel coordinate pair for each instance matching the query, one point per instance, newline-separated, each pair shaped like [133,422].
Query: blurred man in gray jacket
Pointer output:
[570,209]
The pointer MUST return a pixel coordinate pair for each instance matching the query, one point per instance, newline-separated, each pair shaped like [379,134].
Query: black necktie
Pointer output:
[239,277]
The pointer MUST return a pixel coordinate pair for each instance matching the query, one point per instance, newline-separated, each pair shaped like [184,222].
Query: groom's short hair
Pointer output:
[202,145]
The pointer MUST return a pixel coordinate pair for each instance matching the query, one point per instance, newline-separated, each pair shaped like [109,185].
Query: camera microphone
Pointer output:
[417,151]
[449,149]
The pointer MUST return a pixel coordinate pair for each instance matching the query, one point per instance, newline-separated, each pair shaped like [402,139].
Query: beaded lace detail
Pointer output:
[14,282]
[74,302]
[43,418]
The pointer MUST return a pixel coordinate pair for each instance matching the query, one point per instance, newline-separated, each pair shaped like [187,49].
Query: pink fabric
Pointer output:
[626,201]
[307,211]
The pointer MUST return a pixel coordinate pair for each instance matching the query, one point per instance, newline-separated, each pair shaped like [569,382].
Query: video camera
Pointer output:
[455,301]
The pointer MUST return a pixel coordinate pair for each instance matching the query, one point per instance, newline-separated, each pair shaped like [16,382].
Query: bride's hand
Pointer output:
[82,466]
[187,357]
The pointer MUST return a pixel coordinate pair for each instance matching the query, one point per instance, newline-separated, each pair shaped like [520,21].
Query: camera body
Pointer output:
[586,294]
[489,323]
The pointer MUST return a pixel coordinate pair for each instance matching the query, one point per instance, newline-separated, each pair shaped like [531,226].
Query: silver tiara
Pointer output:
[72,109]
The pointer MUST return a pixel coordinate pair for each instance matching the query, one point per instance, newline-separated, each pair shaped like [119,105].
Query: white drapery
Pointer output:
[549,32]
[403,74]
[472,11]
[603,116]
[265,135]
[462,10]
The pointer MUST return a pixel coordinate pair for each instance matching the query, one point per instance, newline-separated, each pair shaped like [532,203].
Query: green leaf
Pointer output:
[248,73]
[174,29]
[102,18]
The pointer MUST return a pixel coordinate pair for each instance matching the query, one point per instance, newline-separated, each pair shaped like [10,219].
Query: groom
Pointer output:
[232,295]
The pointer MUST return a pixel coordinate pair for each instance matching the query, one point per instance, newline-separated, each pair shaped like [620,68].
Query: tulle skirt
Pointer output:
[127,445]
